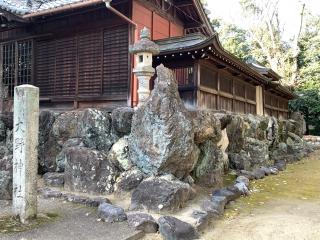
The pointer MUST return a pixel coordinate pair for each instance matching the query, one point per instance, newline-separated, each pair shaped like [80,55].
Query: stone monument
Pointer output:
[144,50]
[25,153]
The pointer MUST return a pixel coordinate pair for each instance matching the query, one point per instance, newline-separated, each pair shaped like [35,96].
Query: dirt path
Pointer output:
[283,207]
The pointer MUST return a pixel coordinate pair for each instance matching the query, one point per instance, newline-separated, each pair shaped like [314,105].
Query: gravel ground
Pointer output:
[74,222]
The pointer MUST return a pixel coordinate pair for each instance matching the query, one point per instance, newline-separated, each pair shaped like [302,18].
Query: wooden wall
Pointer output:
[275,105]
[81,57]
[220,90]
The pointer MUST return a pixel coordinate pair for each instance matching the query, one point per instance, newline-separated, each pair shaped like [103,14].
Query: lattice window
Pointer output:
[24,62]
[16,64]
[184,76]
[8,67]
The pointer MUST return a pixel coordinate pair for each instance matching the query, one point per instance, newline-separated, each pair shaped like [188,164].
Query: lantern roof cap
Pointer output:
[145,44]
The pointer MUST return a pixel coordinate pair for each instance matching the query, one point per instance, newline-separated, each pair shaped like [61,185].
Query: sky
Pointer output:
[289,10]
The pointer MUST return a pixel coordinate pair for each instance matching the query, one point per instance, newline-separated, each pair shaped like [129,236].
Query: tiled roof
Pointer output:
[21,7]
[179,43]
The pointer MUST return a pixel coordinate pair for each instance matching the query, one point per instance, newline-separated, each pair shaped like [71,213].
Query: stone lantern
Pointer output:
[143,50]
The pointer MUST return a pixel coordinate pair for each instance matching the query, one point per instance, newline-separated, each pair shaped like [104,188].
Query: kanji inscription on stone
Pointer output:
[25,153]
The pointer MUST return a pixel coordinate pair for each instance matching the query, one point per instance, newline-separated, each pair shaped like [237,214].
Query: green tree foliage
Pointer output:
[308,88]
[233,39]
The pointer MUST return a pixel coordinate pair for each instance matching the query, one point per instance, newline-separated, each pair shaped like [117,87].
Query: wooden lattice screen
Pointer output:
[16,64]
[89,65]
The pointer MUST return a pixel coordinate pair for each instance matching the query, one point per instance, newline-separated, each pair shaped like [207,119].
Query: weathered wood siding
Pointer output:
[275,105]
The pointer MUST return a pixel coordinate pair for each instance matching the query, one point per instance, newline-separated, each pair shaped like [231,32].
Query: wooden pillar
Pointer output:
[259,100]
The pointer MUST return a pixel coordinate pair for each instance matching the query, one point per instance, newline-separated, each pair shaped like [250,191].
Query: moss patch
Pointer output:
[11,224]
[299,181]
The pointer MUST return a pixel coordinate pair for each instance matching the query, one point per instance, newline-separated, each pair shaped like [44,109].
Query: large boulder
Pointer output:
[162,135]
[129,180]
[49,147]
[210,166]
[122,120]
[298,124]
[5,185]
[93,126]
[172,228]
[88,171]
[207,127]
[161,193]
[119,154]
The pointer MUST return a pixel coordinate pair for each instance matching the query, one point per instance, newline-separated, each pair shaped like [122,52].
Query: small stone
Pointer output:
[49,193]
[230,194]
[95,202]
[242,187]
[259,174]
[202,219]
[280,165]
[243,179]
[143,222]
[212,207]
[129,180]
[110,213]
[248,174]
[266,170]
[53,179]
[274,171]
[172,228]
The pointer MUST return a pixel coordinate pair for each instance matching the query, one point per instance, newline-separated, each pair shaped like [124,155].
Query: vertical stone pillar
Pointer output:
[25,152]
[259,101]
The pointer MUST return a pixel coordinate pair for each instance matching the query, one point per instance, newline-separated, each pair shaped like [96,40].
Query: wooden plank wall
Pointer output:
[275,105]
[220,90]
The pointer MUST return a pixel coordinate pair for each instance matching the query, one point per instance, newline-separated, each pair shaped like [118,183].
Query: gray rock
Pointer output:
[110,213]
[129,180]
[49,193]
[49,148]
[240,161]
[143,222]
[202,218]
[6,163]
[93,126]
[5,185]
[258,173]
[122,120]
[299,124]
[160,193]
[157,143]
[220,201]
[174,229]
[209,169]
[242,187]
[119,154]
[248,174]
[243,179]
[207,127]
[266,170]
[212,207]
[89,171]
[258,152]
[229,194]
[280,165]
[274,170]
[54,179]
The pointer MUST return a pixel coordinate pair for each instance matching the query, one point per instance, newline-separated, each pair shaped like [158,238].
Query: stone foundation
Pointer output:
[101,152]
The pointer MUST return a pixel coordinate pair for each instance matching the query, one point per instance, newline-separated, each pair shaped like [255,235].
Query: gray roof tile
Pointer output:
[21,7]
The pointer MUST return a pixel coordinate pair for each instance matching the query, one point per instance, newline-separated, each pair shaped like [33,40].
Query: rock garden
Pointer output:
[160,167]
